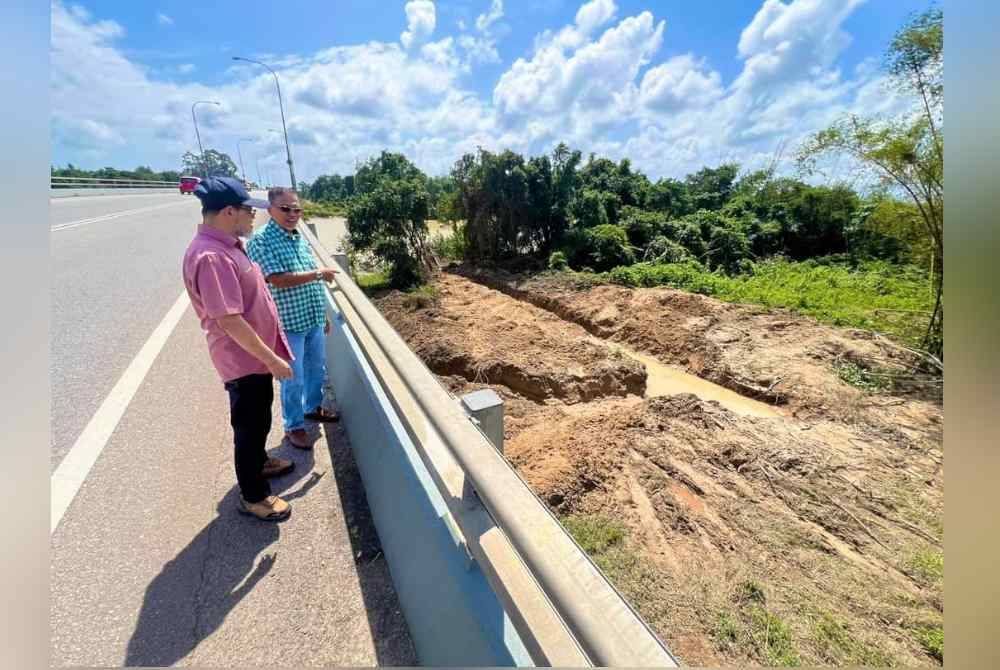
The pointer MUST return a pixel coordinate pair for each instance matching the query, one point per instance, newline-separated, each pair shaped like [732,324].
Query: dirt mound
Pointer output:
[811,538]
[771,355]
[492,339]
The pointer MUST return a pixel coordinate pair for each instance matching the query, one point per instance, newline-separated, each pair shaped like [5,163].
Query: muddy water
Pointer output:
[664,380]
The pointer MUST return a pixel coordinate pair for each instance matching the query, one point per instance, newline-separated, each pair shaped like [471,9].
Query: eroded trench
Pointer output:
[714,488]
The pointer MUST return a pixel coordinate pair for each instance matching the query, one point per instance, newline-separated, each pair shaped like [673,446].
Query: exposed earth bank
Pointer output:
[799,524]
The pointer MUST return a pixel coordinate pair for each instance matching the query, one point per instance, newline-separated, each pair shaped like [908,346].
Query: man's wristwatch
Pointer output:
[319,275]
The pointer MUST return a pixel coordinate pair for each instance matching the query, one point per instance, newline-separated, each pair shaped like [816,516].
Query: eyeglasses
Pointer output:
[288,209]
[248,208]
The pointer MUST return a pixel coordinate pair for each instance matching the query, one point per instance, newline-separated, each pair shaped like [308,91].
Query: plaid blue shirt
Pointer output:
[276,250]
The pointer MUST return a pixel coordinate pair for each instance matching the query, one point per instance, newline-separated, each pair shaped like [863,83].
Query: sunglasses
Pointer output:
[288,209]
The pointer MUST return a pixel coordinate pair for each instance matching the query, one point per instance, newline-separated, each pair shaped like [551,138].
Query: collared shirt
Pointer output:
[221,279]
[277,250]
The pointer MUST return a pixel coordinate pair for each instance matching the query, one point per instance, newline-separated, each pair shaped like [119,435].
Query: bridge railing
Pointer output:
[96,182]
[485,574]
[66,187]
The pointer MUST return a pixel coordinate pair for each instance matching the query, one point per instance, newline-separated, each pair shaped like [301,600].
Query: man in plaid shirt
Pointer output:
[295,281]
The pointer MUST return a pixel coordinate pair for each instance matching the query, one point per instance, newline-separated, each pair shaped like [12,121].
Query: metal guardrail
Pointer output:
[95,182]
[564,608]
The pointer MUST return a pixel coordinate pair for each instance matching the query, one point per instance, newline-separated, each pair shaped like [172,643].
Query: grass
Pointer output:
[604,540]
[373,282]
[861,378]
[932,640]
[322,209]
[875,295]
[753,630]
[837,646]
[928,566]
[596,535]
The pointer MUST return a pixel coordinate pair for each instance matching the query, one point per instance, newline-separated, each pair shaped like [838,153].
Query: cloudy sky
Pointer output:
[672,85]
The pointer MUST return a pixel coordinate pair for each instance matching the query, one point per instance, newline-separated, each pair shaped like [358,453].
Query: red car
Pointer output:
[188,184]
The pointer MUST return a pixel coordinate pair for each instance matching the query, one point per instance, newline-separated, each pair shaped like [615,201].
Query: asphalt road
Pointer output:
[150,563]
[113,281]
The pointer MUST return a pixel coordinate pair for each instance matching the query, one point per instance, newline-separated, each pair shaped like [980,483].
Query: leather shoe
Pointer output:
[299,438]
[275,467]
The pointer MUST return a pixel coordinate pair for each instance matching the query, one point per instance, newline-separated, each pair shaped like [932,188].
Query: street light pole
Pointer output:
[240,154]
[281,106]
[201,150]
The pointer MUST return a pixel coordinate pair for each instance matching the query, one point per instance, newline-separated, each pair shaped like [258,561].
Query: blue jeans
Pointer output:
[304,391]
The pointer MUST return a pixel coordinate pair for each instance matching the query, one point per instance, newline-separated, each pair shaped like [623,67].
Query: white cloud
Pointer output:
[679,83]
[164,20]
[421,18]
[484,21]
[595,14]
[595,83]
[787,42]
[581,82]
[478,50]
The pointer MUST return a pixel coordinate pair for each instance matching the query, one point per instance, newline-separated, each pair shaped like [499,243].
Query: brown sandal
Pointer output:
[321,415]
[271,508]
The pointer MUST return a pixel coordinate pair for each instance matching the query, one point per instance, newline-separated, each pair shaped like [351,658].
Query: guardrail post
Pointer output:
[344,263]
[486,407]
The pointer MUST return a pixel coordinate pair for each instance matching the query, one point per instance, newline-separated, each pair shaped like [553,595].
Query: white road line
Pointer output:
[74,468]
[112,215]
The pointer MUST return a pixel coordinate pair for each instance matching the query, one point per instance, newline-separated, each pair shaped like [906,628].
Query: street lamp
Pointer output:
[281,106]
[240,154]
[201,150]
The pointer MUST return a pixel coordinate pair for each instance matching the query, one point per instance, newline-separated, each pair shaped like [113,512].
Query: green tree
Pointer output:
[389,218]
[905,154]
[589,208]
[609,247]
[215,164]
[671,197]
[711,188]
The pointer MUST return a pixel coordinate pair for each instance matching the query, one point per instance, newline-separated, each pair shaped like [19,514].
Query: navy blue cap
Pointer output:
[217,193]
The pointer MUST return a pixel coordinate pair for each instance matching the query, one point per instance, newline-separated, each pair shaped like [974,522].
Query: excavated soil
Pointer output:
[797,535]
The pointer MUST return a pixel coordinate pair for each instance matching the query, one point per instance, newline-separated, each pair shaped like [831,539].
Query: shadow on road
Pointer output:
[195,591]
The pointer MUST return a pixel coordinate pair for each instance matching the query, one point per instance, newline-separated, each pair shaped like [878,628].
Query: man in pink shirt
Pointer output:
[245,340]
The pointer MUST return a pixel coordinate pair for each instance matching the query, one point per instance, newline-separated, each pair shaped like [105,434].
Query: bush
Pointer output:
[451,247]
[609,247]
[641,226]
[689,236]
[664,250]
[557,261]
[727,247]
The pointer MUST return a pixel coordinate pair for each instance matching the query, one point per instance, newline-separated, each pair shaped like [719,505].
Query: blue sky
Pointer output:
[671,85]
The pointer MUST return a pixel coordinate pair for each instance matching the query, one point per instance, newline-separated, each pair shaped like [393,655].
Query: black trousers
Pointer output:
[250,400]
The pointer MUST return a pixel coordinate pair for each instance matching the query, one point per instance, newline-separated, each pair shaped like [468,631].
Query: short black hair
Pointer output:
[209,210]
[275,191]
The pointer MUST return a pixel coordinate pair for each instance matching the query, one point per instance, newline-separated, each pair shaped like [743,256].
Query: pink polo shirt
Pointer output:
[221,279]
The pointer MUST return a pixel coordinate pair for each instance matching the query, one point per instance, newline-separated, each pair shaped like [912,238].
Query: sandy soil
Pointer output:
[804,536]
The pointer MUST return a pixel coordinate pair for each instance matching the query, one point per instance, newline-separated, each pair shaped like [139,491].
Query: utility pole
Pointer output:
[281,106]
[240,154]
[201,150]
